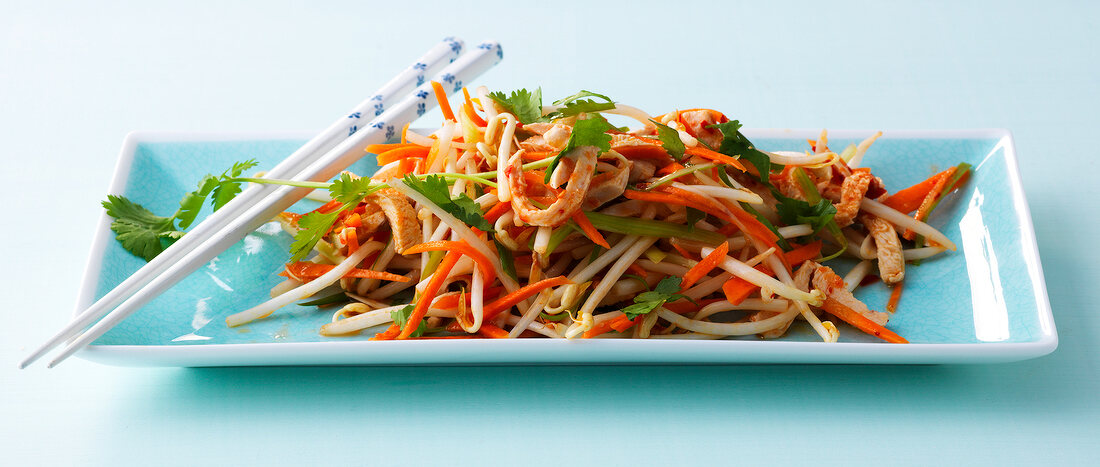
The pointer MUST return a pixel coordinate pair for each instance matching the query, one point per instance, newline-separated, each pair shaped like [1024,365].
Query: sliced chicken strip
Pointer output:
[891,260]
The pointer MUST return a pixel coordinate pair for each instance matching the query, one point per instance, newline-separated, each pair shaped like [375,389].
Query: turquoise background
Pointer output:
[75,78]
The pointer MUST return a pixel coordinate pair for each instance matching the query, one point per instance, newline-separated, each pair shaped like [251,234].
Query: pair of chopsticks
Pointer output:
[375,120]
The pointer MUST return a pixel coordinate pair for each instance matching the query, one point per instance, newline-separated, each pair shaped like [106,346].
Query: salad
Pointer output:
[517,218]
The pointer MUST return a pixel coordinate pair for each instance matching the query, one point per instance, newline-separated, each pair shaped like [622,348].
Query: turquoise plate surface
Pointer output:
[984,303]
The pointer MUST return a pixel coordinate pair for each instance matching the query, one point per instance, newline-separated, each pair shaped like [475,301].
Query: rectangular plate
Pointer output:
[986,302]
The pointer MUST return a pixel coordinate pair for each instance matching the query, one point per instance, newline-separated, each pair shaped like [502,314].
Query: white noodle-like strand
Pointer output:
[305,290]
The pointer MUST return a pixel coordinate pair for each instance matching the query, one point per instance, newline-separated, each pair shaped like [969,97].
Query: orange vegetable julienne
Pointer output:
[305,270]
[705,266]
[508,301]
[895,298]
[737,290]
[450,301]
[716,156]
[496,211]
[444,105]
[670,168]
[637,270]
[805,252]
[402,153]
[389,334]
[589,229]
[462,247]
[660,197]
[381,148]
[492,331]
[929,200]
[351,237]
[468,107]
[616,323]
[860,322]
[909,199]
[430,290]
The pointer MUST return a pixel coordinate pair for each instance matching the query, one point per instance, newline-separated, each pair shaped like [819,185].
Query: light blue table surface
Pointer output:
[75,78]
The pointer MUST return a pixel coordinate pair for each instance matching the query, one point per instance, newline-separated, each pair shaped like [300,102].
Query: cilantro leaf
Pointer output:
[228,187]
[591,132]
[192,202]
[579,95]
[524,104]
[645,302]
[400,316]
[579,107]
[736,144]
[670,140]
[136,228]
[782,242]
[437,191]
[348,189]
[311,228]
[795,211]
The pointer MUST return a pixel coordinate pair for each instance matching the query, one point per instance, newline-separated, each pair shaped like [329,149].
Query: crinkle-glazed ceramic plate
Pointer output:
[985,302]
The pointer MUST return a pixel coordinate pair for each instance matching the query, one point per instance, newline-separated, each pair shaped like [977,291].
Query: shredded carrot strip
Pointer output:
[537,155]
[381,148]
[637,270]
[895,297]
[354,220]
[389,334]
[309,271]
[682,251]
[405,133]
[910,199]
[607,325]
[328,207]
[351,237]
[468,107]
[496,211]
[716,156]
[441,96]
[430,291]
[860,322]
[698,200]
[704,267]
[402,153]
[492,331]
[737,290]
[670,168]
[462,247]
[667,198]
[929,200]
[589,229]
[805,252]
[508,301]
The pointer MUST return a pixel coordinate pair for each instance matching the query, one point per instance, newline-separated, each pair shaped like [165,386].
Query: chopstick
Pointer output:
[446,51]
[380,129]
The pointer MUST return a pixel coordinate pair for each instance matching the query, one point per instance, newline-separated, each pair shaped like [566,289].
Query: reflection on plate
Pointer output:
[984,303]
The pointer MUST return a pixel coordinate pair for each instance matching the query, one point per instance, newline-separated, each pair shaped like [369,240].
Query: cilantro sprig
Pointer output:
[645,302]
[524,104]
[670,140]
[735,144]
[527,105]
[437,191]
[146,234]
[590,132]
[312,227]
